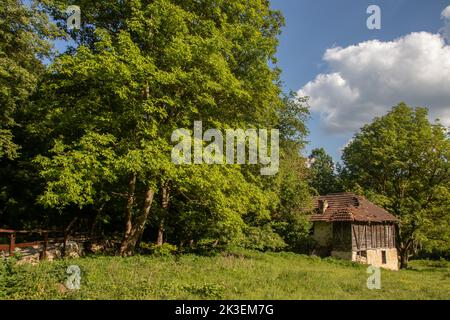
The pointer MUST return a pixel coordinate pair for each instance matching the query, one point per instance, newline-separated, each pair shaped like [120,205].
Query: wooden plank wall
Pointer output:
[372,236]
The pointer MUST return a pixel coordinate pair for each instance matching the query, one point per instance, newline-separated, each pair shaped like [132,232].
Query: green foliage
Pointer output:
[291,221]
[322,176]
[293,115]
[262,238]
[73,173]
[296,233]
[401,161]
[139,71]
[23,33]
[164,250]
[94,129]
[213,203]
[8,276]
[95,134]
[21,282]
[207,247]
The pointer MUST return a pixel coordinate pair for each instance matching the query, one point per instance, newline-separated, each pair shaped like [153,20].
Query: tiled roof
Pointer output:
[349,207]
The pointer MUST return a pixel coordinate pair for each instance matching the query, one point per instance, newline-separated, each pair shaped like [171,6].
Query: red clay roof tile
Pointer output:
[350,207]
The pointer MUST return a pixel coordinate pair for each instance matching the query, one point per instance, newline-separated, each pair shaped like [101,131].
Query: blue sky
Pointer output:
[313,26]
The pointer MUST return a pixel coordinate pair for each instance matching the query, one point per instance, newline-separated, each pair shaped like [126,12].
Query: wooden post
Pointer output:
[44,248]
[12,243]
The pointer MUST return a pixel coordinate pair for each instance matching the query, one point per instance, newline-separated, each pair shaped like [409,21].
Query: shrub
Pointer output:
[12,277]
[164,250]
[262,238]
[24,281]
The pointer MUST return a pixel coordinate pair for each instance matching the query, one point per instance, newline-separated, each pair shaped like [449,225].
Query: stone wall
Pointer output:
[323,234]
[33,254]
[372,257]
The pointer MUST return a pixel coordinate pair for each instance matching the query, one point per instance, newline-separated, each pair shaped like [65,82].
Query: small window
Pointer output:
[362,253]
[383,257]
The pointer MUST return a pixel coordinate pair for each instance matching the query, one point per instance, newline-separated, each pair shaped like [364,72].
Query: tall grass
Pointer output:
[238,275]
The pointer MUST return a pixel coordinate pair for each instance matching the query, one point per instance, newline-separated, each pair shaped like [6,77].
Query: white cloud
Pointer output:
[446,13]
[367,79]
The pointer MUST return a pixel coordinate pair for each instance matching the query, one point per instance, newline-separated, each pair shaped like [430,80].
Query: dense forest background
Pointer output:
[85,134]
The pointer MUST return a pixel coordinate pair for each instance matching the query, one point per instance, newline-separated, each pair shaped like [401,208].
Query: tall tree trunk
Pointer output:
[128,212]
[403,259]
[160,239]
[128,245]
[404,253]
[130,203]
[165,191]
[402,246]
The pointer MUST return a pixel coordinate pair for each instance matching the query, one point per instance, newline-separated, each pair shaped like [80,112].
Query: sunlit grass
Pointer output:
[243,275]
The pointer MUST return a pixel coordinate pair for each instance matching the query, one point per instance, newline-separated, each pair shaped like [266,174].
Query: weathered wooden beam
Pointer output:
[12,243]
[6,231]
[355,233]
[5,247]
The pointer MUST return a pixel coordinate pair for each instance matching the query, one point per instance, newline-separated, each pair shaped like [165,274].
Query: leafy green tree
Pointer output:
[24,33]
[141,70]
[291,186]
[401,161]
[322,176]
[216,202]
[74,172]
[290,219]
[23,44]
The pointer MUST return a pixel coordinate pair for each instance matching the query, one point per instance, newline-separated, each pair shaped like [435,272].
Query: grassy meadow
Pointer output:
[238,275]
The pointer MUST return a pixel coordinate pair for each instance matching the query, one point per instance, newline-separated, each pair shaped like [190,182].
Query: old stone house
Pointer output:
[351,227]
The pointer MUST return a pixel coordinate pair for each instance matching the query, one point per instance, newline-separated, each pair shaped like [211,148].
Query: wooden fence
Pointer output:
[44,234]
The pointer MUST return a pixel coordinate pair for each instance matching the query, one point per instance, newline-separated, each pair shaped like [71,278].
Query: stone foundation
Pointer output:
[372,257]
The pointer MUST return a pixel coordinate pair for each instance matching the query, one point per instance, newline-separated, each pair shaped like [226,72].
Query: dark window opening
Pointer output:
[362,253]
[383,257]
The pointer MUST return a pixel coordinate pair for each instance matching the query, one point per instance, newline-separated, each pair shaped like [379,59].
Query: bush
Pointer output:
[262,238]
[25,281]
[206,247]
[433,254]
[295,232]
[12,277]
[164,250]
